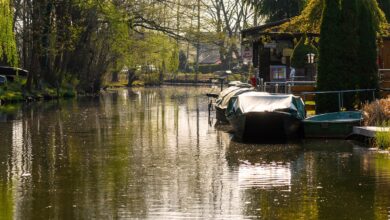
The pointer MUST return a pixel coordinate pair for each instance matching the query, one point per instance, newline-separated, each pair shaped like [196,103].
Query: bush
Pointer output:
[11,96]
[151,78]
[236,77]
[377,112]
[299,56]
[138,83]
[210,68]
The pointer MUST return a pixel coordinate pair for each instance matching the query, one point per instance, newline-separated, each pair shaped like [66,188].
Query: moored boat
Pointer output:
[332,125]
[222,102]
[266,116]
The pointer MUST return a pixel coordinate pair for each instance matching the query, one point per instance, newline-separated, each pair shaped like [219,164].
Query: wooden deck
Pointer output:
[369,132]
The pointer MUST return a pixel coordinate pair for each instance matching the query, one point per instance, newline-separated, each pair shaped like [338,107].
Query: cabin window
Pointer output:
[278,73]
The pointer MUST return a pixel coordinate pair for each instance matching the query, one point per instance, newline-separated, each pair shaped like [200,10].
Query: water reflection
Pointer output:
[266,176]
[152,154]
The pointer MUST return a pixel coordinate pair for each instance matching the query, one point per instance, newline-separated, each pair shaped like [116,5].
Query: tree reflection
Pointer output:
[150,153]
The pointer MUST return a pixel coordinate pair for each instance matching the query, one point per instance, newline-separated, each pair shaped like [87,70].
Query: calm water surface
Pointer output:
[155,154]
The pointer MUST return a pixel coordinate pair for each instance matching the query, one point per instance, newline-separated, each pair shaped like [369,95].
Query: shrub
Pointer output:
[12,96]
[299,56]
[151,78]
[210,68]
[382,139]
[377,112]
[235,77]
[138,83]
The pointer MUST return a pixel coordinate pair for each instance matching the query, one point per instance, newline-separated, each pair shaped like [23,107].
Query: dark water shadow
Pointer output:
[328,145]
[10,112]
[262,153]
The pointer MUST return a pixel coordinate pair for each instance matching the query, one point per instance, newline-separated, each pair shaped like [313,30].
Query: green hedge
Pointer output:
[210,68]
[299,56]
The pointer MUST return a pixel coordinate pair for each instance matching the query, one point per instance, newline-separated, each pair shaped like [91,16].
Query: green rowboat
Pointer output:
[332,125]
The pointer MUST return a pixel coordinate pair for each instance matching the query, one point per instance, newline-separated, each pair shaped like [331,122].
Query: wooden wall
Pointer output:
[384,63]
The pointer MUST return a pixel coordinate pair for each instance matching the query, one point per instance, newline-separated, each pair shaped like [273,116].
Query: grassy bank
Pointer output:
[15,92]
[191,77]
[154,79]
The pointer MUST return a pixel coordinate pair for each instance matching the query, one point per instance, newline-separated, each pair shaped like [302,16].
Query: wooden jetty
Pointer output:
[369,132]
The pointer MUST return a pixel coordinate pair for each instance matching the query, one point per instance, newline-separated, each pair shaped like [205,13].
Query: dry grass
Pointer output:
[377,113]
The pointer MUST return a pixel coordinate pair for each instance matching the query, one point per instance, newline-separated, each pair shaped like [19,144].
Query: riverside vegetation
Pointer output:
[377,113]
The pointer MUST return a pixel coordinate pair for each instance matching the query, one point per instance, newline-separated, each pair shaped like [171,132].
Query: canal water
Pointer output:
[155,154]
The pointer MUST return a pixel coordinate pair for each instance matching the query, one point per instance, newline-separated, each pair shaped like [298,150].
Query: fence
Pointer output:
[306,89]
[340,94]
[284,87]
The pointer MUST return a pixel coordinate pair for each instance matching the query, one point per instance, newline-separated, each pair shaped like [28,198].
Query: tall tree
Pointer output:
[367,56]
[330,52]
[385,6]
[310,18]
[275,10]
[8,51]
[348,52]
[197,42]
[349,71]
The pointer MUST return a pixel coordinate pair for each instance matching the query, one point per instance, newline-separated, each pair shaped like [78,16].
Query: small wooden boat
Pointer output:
[332,125]
[223,99]
[266,116]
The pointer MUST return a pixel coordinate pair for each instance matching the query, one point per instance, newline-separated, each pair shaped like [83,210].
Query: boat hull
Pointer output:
[331,125]
[329,129]
[266,126]
[220,115]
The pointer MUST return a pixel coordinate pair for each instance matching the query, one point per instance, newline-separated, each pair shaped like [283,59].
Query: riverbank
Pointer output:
[15,93]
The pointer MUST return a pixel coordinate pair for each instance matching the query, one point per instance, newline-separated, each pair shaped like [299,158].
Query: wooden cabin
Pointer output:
[272,51]
[269,51]
[384,66]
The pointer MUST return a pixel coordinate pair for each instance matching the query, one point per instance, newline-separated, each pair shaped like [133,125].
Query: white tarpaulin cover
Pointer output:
[266,102]
[224,97]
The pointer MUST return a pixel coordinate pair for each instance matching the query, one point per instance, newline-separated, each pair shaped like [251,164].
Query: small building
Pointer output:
[269,51]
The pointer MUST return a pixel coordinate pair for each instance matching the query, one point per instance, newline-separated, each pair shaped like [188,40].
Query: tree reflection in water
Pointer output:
[152,153]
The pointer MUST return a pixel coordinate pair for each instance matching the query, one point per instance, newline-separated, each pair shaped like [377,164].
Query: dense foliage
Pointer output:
[348,52]
[299,56]
[81,44]
[8,52]
[330,52]
[309,21]
[275,10]
[367,53]
[385,6]
[76,43]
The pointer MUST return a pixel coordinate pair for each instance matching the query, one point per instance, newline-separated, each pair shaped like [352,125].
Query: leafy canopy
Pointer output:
[8,51]
[275,10]
[303,48]
[309,21]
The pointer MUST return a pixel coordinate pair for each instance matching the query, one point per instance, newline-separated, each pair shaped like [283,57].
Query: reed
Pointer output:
[377,113]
